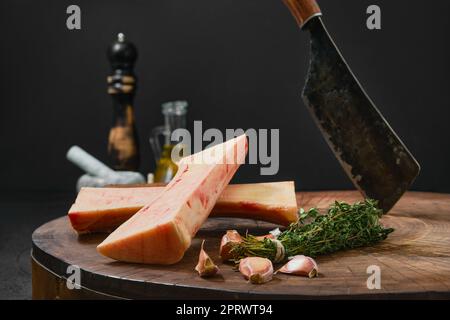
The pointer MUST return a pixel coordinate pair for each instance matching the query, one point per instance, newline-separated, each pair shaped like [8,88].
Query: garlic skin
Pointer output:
[275,233]
[301,266]
[257,270]
[226,244]
[205,266]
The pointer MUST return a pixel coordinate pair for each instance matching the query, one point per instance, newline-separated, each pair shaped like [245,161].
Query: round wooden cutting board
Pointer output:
[414,261]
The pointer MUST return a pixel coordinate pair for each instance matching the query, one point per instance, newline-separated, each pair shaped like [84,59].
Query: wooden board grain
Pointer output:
[414,261]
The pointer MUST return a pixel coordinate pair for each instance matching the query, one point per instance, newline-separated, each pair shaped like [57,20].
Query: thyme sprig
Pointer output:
[344,226]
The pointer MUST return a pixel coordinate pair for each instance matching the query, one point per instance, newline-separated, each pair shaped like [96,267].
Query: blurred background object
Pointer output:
[174,118]
[97,173]
[123,146]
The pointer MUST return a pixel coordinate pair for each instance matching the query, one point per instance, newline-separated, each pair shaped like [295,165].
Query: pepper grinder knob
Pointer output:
[122,55]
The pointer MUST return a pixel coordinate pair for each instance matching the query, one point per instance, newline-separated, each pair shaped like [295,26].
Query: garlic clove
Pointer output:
[302,266]
[257,270]
[226,244]
[205,266]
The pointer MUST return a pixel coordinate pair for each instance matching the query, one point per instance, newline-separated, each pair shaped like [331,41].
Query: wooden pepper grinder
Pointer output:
[123,147]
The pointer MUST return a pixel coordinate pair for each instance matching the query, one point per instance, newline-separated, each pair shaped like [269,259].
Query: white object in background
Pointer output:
[150,178]
[86,180]
[98,174]
[89,164]
[128,177]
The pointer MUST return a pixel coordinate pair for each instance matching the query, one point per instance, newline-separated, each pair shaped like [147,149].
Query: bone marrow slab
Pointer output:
[162,231]
[104,209]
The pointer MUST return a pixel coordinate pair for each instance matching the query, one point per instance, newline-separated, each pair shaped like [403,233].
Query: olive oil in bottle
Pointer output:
[174,118]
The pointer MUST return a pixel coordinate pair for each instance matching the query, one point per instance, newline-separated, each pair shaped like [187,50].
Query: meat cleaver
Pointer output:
[372,155]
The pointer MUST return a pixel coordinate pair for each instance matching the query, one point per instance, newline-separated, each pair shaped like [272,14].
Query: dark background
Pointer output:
[240,63]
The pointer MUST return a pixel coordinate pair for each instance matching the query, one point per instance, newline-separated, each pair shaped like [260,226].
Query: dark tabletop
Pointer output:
[21,213]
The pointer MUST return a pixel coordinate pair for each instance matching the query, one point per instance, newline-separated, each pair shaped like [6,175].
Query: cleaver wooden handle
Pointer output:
[303,10]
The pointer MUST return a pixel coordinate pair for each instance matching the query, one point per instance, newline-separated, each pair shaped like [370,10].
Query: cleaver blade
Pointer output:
[370,152]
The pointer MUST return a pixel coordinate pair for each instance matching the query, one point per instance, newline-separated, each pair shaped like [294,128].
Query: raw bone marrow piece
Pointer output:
[162,231]
[104,209]
[271,202]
